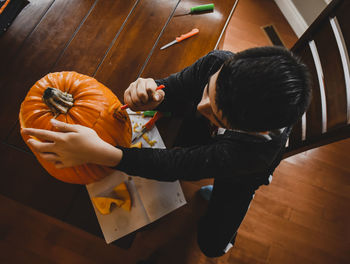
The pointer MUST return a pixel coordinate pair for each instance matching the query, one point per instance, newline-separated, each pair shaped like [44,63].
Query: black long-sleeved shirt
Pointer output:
[234,156]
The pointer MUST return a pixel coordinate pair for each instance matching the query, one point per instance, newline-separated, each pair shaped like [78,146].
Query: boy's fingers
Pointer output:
[50,157]
[64,127]
[41,146]
[158,95]
[127,98]
[59,165]
[134,98]
[142,95]
[42,134]
[127,93]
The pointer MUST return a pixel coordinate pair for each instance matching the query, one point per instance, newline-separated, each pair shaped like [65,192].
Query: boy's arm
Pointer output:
[72,145]
[192,163]
[183,90]
[186,87]
[75,145]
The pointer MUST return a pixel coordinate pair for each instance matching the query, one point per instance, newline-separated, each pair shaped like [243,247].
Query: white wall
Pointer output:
[309,9]
[301,13]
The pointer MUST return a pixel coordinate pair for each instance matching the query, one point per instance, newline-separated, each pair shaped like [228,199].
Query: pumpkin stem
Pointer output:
[58,101]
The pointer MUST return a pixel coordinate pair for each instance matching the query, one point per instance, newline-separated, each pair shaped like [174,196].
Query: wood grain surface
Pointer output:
[130,51]
[28,183]
[87,49]
[21,28]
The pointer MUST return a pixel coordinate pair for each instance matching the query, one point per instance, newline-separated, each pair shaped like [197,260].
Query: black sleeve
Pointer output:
[193,163]
[185,88]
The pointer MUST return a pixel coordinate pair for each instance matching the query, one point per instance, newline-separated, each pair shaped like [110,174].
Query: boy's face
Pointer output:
[207,106]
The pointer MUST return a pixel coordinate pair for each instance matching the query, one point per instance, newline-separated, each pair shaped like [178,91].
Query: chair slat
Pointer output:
[334,82]
[314,113]
[295,138]
[344,55]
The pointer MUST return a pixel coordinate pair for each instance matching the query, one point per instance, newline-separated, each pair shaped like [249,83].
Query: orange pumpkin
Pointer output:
[75,99]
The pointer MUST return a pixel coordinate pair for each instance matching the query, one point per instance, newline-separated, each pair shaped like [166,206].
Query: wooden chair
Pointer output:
[324,48]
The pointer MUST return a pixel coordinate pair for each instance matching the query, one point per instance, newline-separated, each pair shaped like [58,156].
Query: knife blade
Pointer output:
[148,126]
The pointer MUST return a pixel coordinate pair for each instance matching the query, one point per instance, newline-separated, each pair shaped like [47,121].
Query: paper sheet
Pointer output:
[152,134]
[150,199]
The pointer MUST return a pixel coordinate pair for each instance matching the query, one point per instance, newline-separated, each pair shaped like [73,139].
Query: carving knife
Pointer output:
[148,126]
[181,38]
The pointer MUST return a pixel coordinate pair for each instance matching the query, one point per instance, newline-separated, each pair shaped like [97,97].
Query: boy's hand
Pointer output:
[73,145]
[141,95]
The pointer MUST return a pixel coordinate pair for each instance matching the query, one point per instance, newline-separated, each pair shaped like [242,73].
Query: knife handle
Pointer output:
[162,86]
[187,35]
[202,8]
[153,120]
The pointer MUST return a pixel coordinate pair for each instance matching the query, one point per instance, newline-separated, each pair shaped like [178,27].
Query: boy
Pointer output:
[254,97]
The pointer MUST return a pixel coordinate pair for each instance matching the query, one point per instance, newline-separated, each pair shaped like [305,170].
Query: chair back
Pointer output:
[324,48]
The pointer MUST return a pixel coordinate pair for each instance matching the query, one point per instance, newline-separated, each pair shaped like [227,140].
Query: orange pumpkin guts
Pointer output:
[76,99]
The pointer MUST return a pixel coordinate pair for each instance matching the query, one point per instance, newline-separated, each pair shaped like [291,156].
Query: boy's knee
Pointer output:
[212,244]
[210,250]
[213,250]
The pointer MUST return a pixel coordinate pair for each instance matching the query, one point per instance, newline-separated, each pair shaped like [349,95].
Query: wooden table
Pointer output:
[115,41]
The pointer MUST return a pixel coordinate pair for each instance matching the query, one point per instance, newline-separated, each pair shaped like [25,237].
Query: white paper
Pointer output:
[150,199]
[153,134]
[169,196]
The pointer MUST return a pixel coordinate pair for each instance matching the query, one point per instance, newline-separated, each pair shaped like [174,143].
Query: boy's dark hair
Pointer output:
[263,88]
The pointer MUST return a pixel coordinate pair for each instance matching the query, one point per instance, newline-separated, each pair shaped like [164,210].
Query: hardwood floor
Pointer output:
[302,217]
[244,30]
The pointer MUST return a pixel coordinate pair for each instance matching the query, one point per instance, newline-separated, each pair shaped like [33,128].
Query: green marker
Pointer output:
[151,113]
[201,8]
